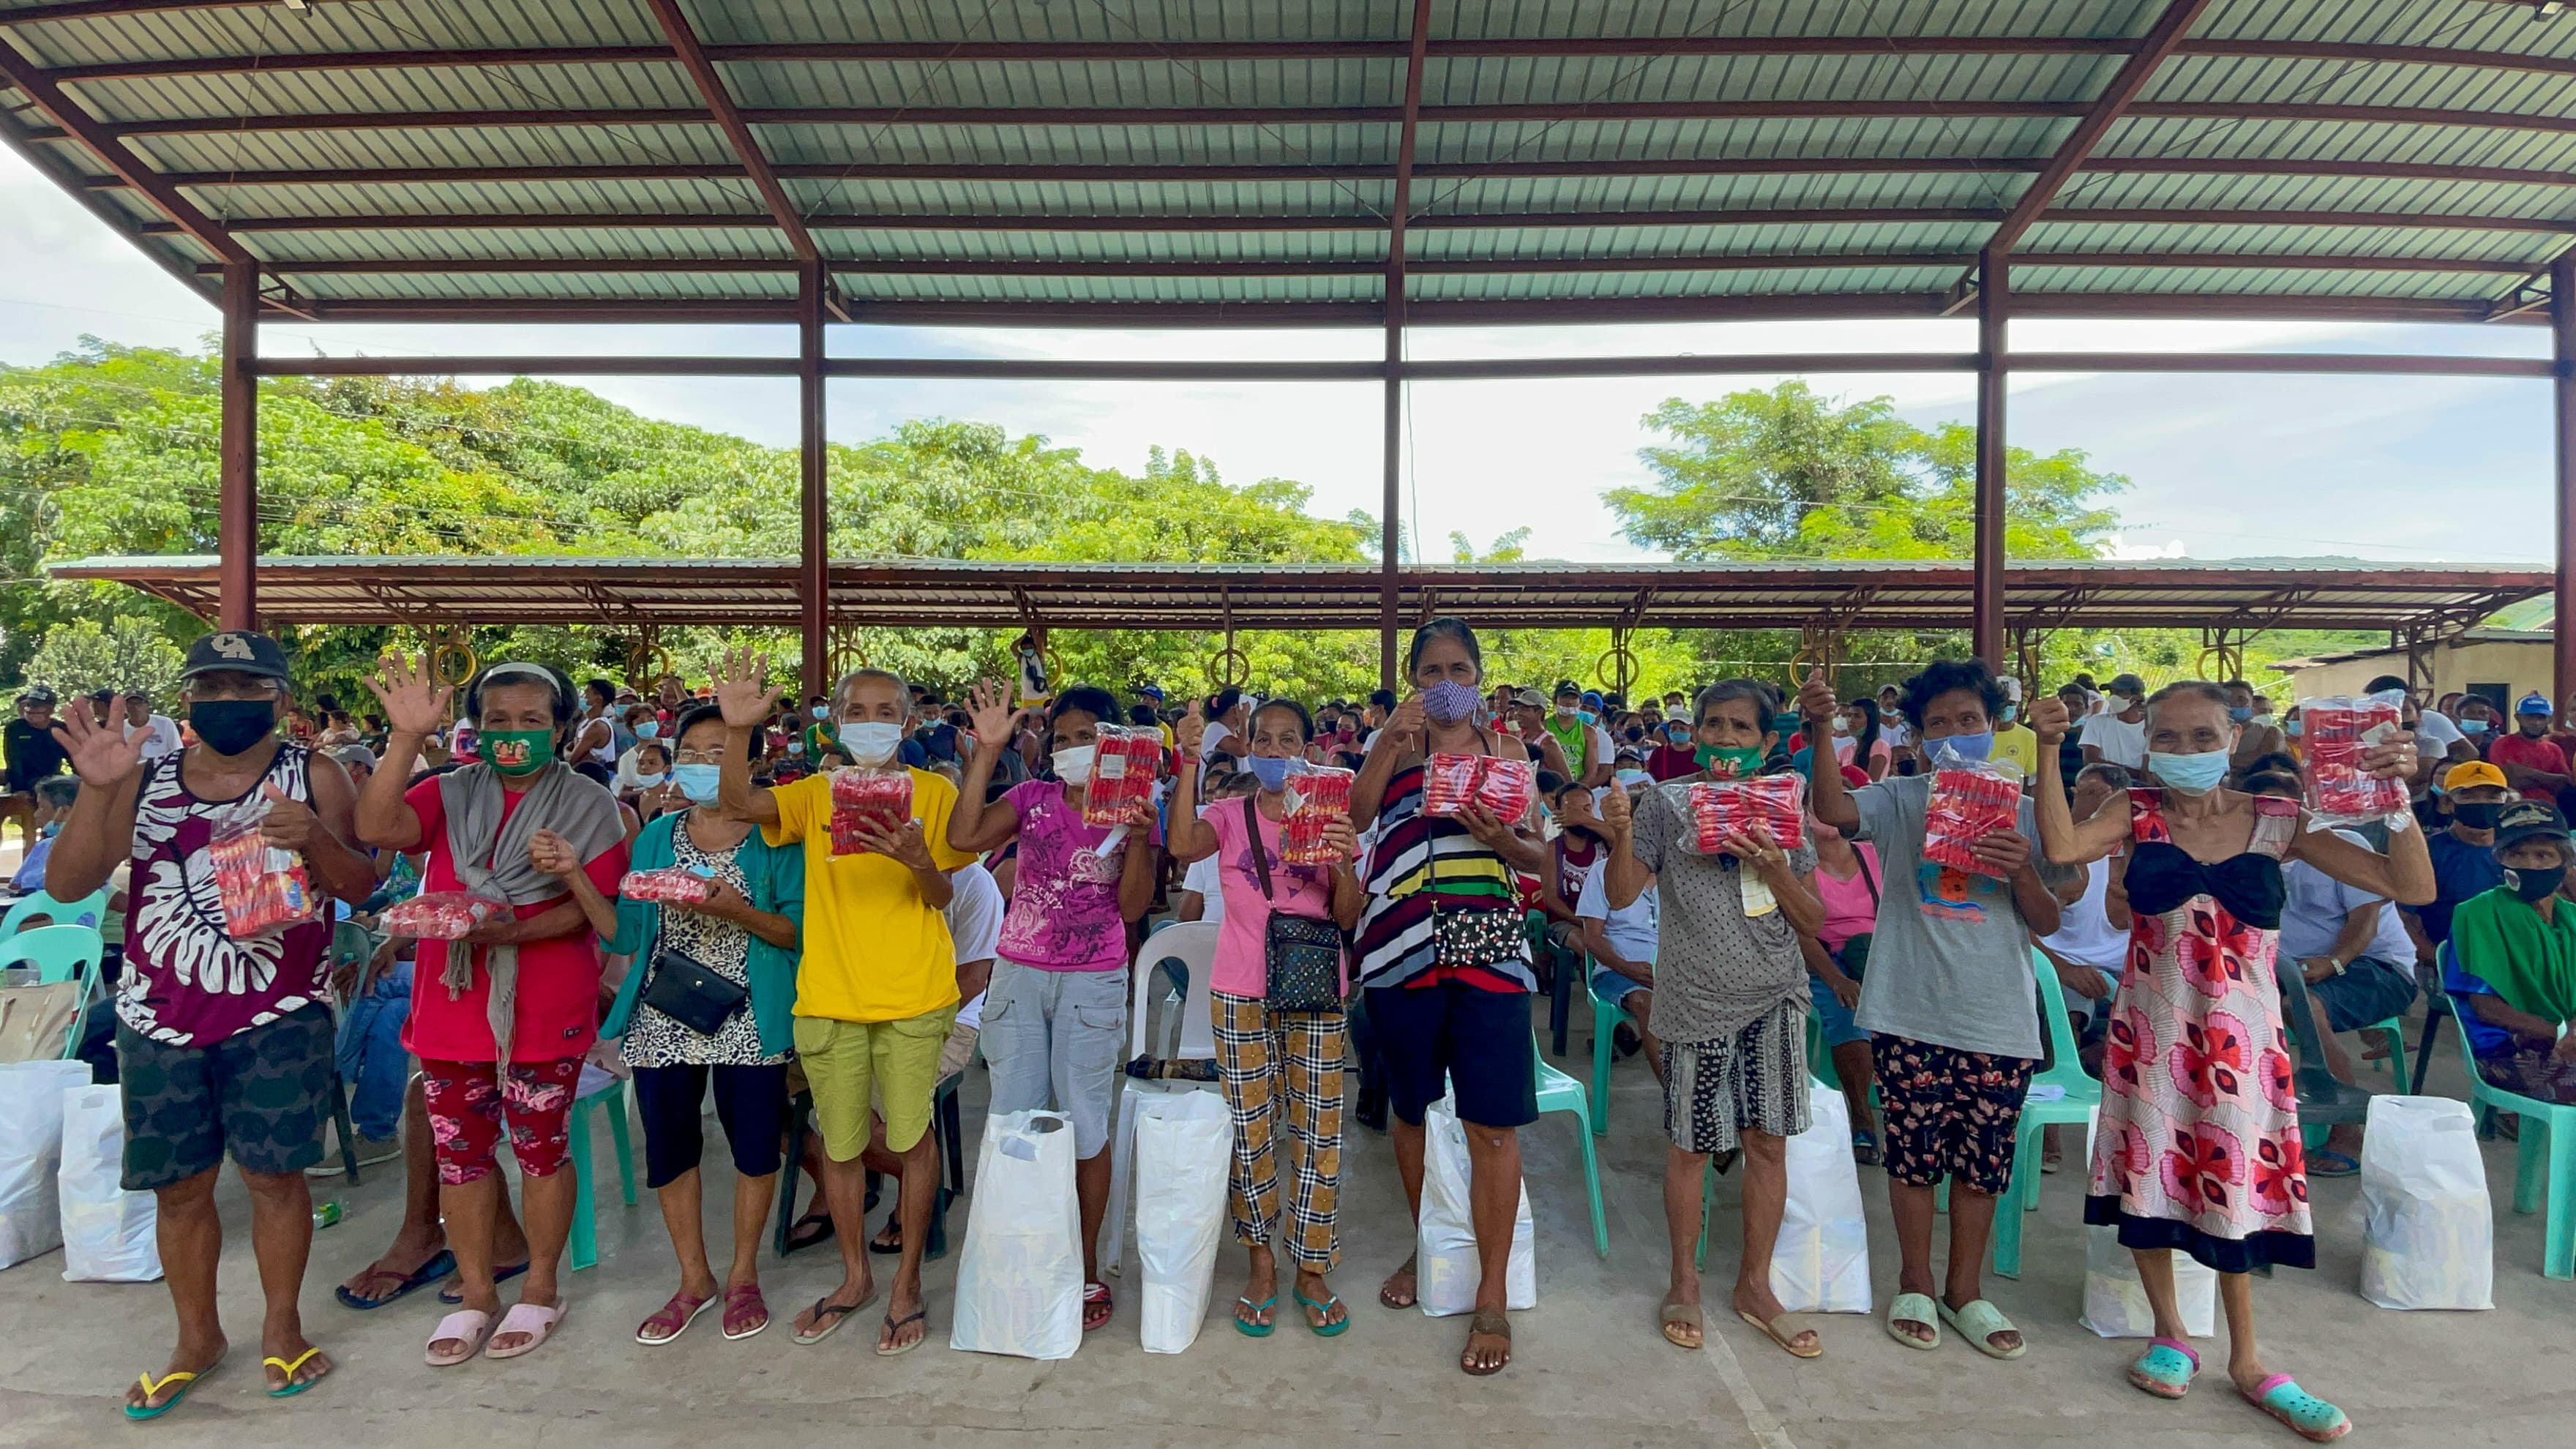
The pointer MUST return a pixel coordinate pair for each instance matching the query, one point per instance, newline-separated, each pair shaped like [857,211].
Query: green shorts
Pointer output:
[899,1060]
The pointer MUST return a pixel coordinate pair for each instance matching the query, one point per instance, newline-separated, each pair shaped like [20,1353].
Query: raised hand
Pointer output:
[739,693]
[101,754]
[991,717]
[2048,720]
[1188,730]
[1617,815]
[415,702]
[1816,702]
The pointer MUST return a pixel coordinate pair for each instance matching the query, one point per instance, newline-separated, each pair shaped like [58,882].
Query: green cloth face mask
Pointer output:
[517,752]
[1729,763]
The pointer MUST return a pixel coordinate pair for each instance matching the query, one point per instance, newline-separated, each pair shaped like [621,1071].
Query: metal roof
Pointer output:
[1842,595]
[1218,161]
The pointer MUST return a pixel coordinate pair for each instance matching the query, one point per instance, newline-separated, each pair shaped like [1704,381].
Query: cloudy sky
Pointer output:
[2401,469]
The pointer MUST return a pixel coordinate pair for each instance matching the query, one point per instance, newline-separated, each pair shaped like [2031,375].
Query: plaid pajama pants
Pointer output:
[1261,1056]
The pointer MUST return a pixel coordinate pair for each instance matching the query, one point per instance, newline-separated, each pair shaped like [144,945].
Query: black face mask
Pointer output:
[2534,883]
[1635,735]
[230,726]
[2477,814]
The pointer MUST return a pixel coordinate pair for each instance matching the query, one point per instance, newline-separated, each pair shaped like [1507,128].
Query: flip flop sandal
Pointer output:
[739,1306]
[829,1316]
[1688,1315]
[798,1237]
[439,1266]
[1096,1295]
[468,1326]
[2308,1416]
[1328,1328]
[294,1386]
[2165,1369]
[1250,1329]
[1787,1339]
[1914,1308]
[897,1325]
[1386,1300]
[880,1245]
[1492,1325]
[456,1295]
[1980,1321]
[673,1318]
[182,1377]
[535,1319]
[1865,1150]
[2326,1162]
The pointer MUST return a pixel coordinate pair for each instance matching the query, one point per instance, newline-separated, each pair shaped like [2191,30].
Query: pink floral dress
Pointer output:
[2198,1147]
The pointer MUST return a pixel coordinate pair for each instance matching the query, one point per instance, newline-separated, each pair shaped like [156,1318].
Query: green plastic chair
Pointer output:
[2547,1127]
[611,1100]
[89,910]
[2082,1095]
[1607,1017]
[1558,1092]
[60,953]
[2395,1062]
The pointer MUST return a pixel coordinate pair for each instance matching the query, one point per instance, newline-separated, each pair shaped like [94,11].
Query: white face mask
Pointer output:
[1073,766]
[871,744]
[1842,726]
[649,782]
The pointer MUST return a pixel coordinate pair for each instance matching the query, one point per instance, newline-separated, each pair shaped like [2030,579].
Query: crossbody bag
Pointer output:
[1854,955]
[1301,956]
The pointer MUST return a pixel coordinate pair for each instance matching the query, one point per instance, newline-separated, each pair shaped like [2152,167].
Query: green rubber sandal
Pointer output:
[1250,1329]
[1979,1321]
[2165,1369]
[2308,1416]
[1914,1308]
[1325,1308]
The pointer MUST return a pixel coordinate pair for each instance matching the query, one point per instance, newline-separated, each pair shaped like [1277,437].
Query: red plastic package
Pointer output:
[865,799]
[2334,734]
[1775,803]
[1124,763]
[670,886]
[440,915]
[1316,798]
[1971,799]
[262,889]
[1502,787]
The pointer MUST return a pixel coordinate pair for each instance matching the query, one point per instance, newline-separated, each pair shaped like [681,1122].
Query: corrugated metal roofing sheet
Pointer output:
[1908,126]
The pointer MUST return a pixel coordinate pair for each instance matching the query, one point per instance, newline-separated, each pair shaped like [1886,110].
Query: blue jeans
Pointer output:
[371,1056]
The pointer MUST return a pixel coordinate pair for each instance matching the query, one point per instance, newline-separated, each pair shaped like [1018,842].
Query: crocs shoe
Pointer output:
[2308,1416]
[2165,1369]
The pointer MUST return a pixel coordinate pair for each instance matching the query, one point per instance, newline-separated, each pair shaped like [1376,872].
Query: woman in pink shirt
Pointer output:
[1264,1053]
[1847,882]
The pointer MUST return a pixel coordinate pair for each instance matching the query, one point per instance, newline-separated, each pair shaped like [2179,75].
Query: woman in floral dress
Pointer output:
[2198,1147]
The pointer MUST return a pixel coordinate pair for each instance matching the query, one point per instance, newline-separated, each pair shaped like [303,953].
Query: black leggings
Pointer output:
[751,1104]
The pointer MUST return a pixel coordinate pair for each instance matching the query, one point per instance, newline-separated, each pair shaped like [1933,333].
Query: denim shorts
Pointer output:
[2367,993]
[1611,986]
[1833,1018]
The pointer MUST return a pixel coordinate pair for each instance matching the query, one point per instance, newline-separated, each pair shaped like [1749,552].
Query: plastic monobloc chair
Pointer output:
[611,1100]
[89,910]
[60,953]
[1607,1017]
[1558,1092]
[2548,1129]
[2077,1095]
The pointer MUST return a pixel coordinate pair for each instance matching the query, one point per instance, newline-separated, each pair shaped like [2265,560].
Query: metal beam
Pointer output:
[814,529]
[2562,332]
[746,146]
[115,155]
[1986,602]
[1399,209]
[535,366]
[237,451]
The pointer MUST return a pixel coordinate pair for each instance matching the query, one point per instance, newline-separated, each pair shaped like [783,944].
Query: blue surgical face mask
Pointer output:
[814,710]
[2473,727]
[649,782]
[696,781]
[2295,728]
[2240,712]
[1272,773]
[1968,747]
[2009,711]
[2194,774]
[649,730]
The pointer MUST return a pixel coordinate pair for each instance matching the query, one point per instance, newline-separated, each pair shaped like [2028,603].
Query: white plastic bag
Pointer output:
[1184,1145]
[2115,1301]
[108,1233]
[1019,1277]
[2428,1235]
[31,1147]
[1446,1271]
[1821,1262]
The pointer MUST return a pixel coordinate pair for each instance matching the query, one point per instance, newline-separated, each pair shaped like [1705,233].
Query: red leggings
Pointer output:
[469,1101]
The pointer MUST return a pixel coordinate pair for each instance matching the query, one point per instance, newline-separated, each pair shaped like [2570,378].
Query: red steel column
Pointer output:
[237,493]
[2562,328]
[1993,300]
[1391,529]
[814,547]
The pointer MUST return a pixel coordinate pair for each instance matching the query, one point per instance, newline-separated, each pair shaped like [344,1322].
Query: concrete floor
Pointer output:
[1590,1368]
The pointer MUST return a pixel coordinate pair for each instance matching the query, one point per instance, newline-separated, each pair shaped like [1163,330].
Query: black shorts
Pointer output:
[260,1094]
[1455,1035]
[751,1105]
[2368,992]
[1949,1112]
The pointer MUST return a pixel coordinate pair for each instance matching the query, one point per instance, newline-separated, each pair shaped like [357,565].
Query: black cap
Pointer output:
[235,651]
[37,695]
[102,696]
[2529,819]
[2127,684]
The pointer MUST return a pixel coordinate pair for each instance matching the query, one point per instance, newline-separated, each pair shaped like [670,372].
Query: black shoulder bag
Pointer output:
[1301,956]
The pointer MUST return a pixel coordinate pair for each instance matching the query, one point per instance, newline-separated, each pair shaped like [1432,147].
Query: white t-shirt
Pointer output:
[2436,733]
[1202,877]
[974,913]
[2120,742]
[2085,935]
[162,736]
[1897,733]
[1632,932]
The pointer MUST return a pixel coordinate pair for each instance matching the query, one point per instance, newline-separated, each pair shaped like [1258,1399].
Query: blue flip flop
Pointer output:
[1325,1330]
[499,1276]
[439,1266]
[1256,1330]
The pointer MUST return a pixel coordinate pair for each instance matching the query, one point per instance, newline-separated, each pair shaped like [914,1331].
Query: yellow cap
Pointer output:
[2471,774]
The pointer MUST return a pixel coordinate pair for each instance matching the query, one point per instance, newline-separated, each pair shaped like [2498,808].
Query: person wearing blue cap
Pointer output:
[2531,763]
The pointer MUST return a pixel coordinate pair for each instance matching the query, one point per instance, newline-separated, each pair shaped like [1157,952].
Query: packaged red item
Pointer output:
[670,886]
[1775,803]
[1316,798]
[1124,763]
[440,915]
[2334,734]
[1502,787]
[261,888]
[863,799]
[1971,799]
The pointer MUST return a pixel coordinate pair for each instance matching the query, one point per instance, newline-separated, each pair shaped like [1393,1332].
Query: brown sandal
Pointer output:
[1683,1315]
[1386,1295]
[1491,1325]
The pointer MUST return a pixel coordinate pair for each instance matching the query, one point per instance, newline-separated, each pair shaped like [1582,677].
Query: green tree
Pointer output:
[129,655]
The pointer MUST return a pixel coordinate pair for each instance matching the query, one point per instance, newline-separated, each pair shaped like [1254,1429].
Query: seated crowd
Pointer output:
[851,965]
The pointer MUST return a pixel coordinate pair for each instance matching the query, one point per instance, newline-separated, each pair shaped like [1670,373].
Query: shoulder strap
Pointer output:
[1252,837]
[1868,877]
